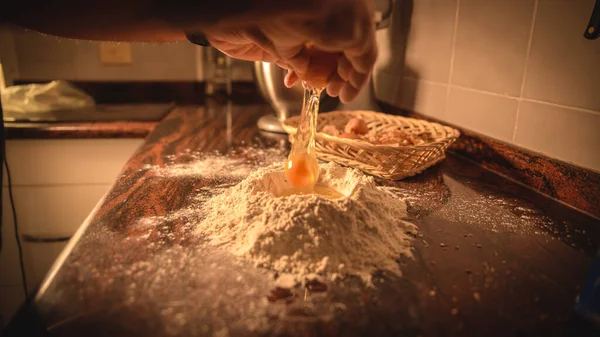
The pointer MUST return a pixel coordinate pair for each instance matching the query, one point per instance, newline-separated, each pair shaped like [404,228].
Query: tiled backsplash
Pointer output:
[42,57]
[516,70]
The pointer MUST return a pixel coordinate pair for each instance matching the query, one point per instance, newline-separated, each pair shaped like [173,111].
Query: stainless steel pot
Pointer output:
[285,101]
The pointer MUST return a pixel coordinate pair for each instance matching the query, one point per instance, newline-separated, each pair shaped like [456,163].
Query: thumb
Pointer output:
[314,65]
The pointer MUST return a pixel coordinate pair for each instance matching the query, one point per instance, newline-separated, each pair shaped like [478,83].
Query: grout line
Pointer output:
[485,92]
[519,99]
[424,81]
[527,54]
[594,112]
[451,71]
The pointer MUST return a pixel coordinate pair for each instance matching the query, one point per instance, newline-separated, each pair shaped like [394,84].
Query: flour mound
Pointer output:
[305,234]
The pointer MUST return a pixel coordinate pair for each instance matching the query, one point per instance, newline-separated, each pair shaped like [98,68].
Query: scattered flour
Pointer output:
[235,164]
[301,235]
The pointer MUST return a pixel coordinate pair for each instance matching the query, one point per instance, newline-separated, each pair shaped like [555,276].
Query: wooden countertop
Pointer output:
[493,257]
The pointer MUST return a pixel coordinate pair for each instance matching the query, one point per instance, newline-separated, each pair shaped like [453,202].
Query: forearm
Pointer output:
[147,20]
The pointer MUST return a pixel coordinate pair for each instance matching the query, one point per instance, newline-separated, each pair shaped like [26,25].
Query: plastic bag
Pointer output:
[41,98]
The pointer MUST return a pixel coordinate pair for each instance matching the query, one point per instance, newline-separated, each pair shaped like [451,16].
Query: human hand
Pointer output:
[333,48]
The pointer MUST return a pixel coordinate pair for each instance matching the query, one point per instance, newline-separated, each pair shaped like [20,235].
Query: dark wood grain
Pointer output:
[493,258]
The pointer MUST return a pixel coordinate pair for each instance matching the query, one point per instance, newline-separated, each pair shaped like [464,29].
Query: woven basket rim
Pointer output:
[452,132]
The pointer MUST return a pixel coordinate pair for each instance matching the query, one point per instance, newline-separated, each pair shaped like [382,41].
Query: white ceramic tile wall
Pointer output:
[493,115]
[42,57]
[517,70]
[8,56]
[568,133]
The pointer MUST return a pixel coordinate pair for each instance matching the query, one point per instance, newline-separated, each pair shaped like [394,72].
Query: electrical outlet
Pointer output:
[115,53]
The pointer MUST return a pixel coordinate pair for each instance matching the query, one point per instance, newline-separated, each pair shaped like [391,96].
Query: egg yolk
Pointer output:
[302,171]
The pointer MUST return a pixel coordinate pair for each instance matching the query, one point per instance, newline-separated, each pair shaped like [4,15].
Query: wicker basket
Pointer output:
[386,161]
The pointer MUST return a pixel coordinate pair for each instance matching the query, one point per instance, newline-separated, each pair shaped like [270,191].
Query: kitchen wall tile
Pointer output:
[45,70]
[36,47]
[429,43]
[387,86]
[491,44]
[8,55]
[180,66]
[164,52]
[563,133]
[489,114]
[564,67]
[428,98]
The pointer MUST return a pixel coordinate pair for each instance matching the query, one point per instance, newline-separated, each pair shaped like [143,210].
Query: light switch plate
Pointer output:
[115,53]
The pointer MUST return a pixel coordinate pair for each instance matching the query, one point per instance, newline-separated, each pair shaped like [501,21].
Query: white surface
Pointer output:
[68,161]
[56,184]
[54,210]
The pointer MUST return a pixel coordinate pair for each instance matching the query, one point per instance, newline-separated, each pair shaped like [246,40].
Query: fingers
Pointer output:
[297,57]
[291,79]
[335,85]
[348,29]
[348,93]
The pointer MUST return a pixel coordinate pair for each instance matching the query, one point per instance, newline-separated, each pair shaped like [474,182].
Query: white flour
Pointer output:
[215,166]
[305,234]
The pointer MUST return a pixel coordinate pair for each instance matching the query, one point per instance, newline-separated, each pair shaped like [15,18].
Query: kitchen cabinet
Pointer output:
[56,184]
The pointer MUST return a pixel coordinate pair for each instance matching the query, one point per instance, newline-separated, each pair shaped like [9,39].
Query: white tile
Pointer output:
[564,67]
[172,62]
[36,47]
[428,98]
[429,42]
[68,161]
[47,70]
[491,45]
[489,114]
[567,134]
[387,86]
[8,55]
[164,52]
